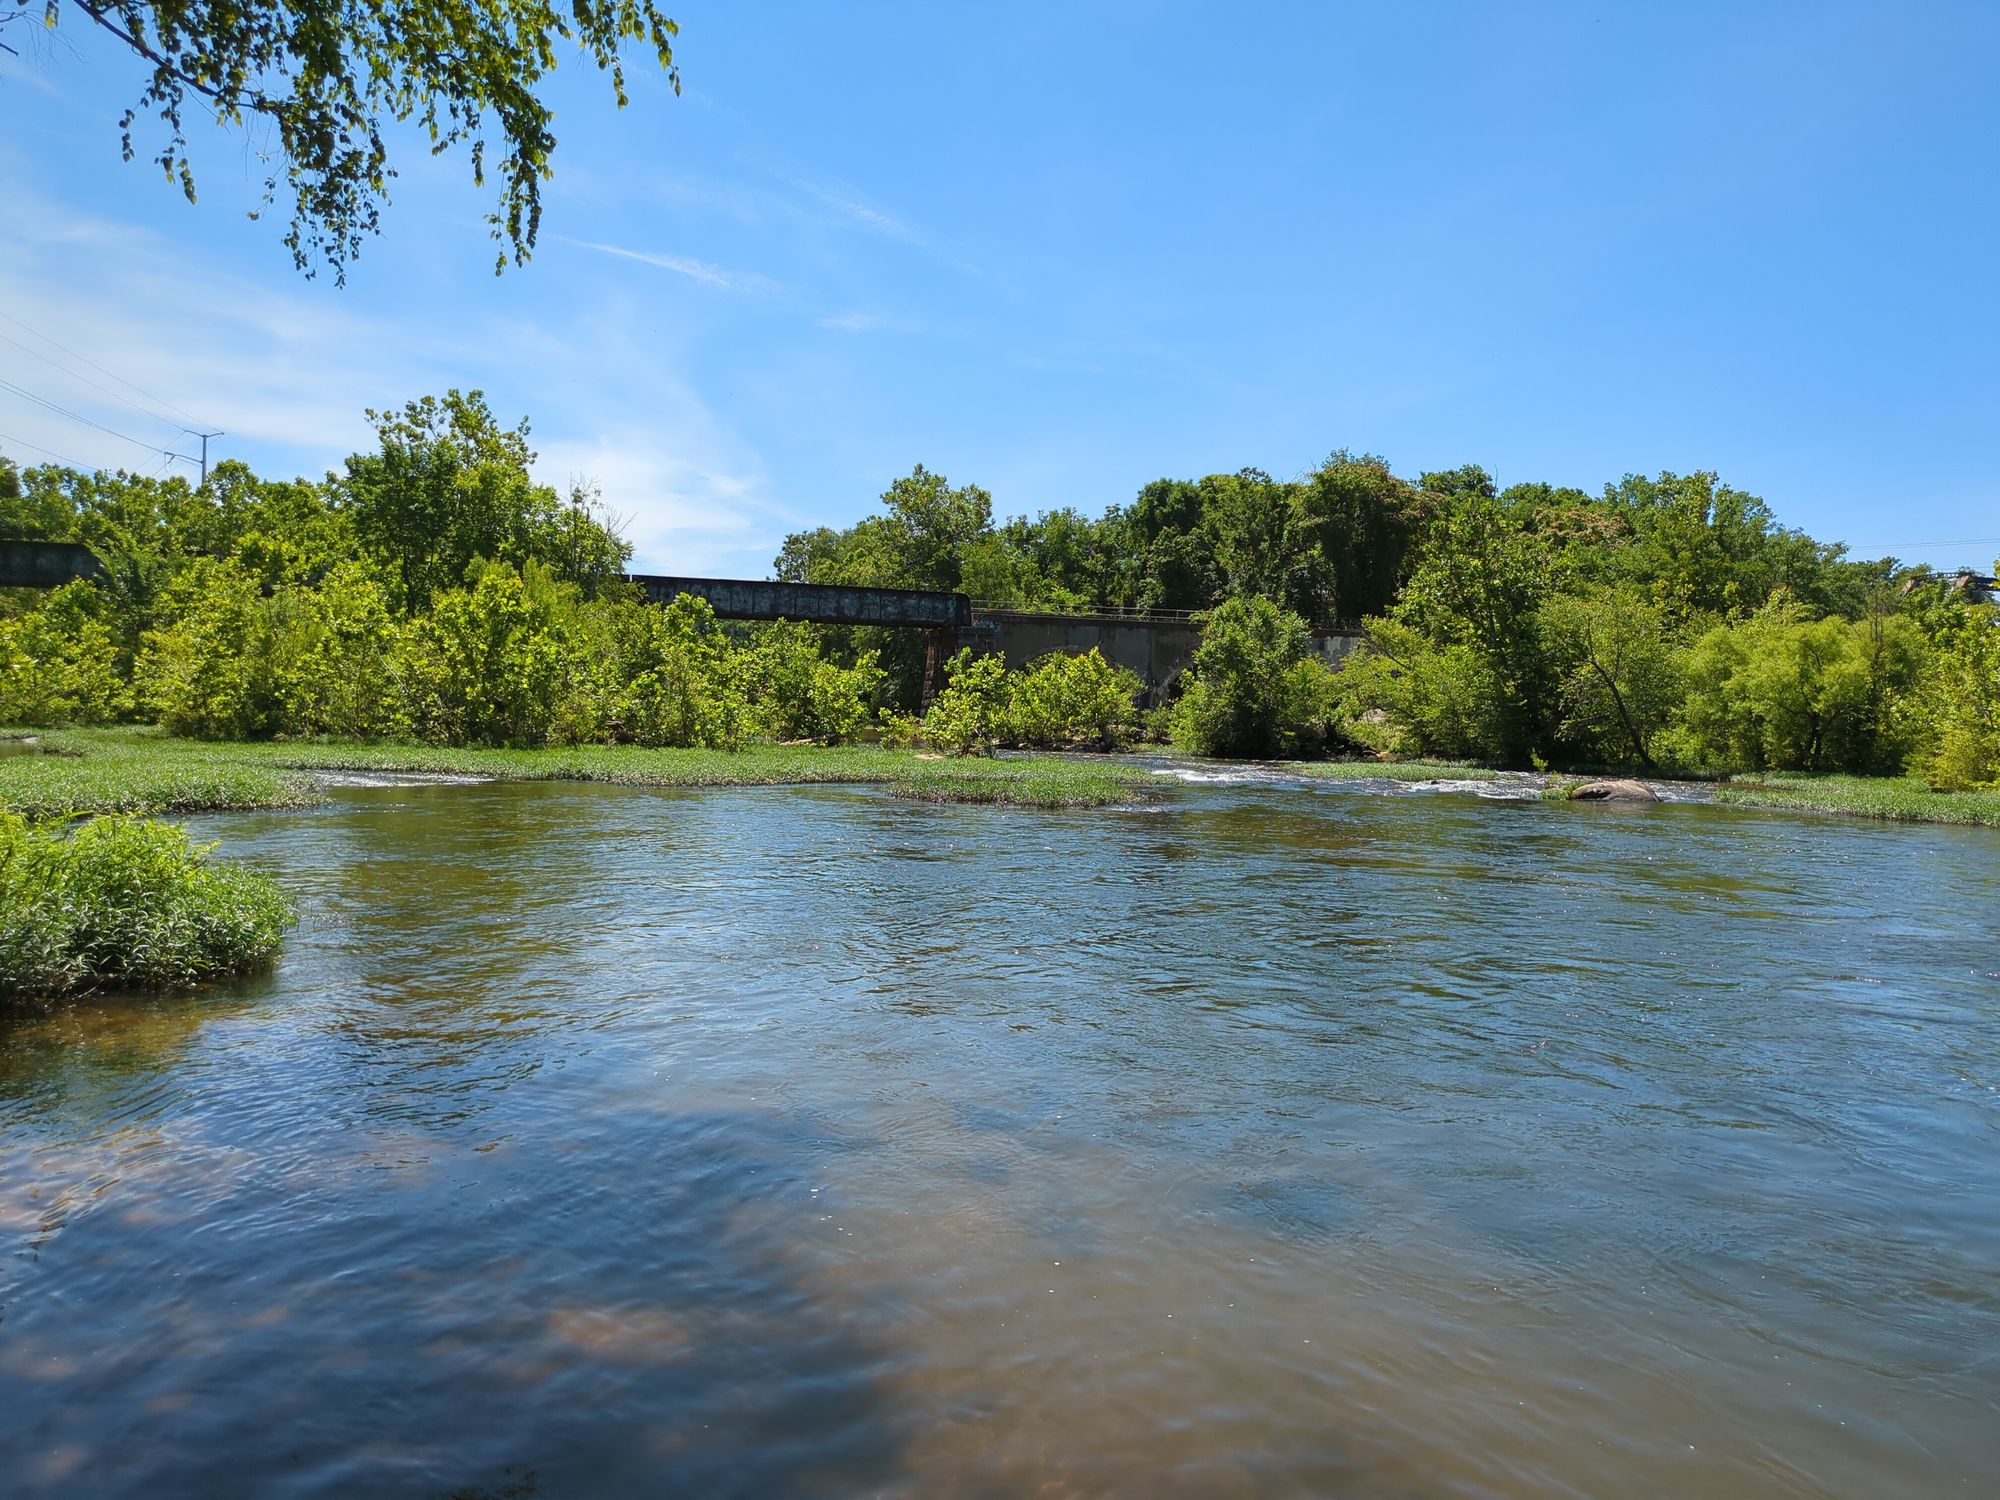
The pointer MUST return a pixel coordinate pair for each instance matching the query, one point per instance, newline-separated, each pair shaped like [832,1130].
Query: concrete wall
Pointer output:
[1336,644]
[1158,650]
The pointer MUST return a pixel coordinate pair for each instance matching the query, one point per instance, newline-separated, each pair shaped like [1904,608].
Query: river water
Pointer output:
[1279,1140]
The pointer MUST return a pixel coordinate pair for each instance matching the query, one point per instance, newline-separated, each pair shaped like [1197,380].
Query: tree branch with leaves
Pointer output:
[331,77]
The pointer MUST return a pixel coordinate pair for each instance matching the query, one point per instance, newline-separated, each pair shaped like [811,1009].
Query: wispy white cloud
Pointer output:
[683,265]
[287,371]
[277,371]
[853,322]
[849,204]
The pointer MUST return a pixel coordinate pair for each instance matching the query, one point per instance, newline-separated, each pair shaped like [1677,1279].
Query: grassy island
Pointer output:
[146,771]
[1903,799]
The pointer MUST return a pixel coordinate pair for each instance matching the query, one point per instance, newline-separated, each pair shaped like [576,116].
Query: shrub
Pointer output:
[797,694]
[332,658]
[1956,710]
[1255,688]
[202,672]
[1070,701]
[125,901]
[1408,696]
[684,685]
[1618,673]
[1778,692]
[970,713]
[494,664]
[59,664]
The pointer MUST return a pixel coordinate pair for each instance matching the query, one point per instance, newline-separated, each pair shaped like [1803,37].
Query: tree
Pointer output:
[1067,700]
[59,663]
[450,485]
[497,662]
[1619,672]
[1704,548]
[1366,519]
[930,526]
[1261,540]
[797,694]
[967,717]
[1785,692]
[1177,566]
[1255,687]
[688,692]
[1957,707]
[205,672]
[329,77]
[1478,590]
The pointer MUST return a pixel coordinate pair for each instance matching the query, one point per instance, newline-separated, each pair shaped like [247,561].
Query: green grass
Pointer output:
[126,902]
[1902,798]
[1039,783]
[143,770]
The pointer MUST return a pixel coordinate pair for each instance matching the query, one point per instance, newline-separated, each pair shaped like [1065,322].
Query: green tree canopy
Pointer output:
[330,77]
[450,484]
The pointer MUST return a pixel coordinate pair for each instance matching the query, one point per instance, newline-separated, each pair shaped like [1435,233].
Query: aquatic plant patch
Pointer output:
[121,901]
[1899,798]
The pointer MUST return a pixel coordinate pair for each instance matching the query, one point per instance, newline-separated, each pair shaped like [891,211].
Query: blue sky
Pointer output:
[1063,250]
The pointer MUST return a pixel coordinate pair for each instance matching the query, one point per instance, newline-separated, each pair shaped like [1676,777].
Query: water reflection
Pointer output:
[1298,1141]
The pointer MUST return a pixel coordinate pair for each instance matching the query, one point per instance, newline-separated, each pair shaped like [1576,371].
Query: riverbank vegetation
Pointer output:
[433,594]
[1668,625]
[126,902]
[142,770]
[1906,799]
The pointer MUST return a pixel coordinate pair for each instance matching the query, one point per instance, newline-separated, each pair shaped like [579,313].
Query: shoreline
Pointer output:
[138,769]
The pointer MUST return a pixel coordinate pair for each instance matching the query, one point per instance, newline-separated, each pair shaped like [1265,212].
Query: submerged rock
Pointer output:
[1619,790]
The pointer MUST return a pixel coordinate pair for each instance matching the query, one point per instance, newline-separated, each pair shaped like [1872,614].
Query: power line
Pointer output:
[100,368]
[8,385]
[86,380]
[24,443]
[1891,547]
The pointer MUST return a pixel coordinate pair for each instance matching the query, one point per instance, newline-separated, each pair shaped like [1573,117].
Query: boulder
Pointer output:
[1622,790]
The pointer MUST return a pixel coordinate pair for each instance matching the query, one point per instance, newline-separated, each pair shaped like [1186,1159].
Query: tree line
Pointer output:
[432,589]
[1665,624]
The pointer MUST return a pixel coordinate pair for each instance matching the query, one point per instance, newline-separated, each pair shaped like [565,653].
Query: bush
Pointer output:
[59,664]
[683,682]
[1075,701]
[970,714]
[1618,673]
[499,663]
[1255,688]
[125,901]
[1779,692]
[797,694]
[332,658]
[1956,710]
[1407,696]
[205,672]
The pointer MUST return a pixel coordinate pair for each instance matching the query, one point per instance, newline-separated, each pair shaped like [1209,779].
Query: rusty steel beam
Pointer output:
[45,565]
[818,603]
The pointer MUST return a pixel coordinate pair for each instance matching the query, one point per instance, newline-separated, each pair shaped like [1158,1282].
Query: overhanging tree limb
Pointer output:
[331,76]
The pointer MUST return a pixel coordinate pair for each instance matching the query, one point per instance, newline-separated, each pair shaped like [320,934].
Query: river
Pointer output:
[1275,1141]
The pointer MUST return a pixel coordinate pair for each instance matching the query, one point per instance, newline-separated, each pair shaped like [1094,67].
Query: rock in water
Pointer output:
[1613,791]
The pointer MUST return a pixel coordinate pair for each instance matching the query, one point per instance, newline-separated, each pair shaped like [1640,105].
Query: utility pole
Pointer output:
[204,436]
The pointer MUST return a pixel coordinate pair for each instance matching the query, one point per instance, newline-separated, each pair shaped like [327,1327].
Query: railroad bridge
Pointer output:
[1154,645]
